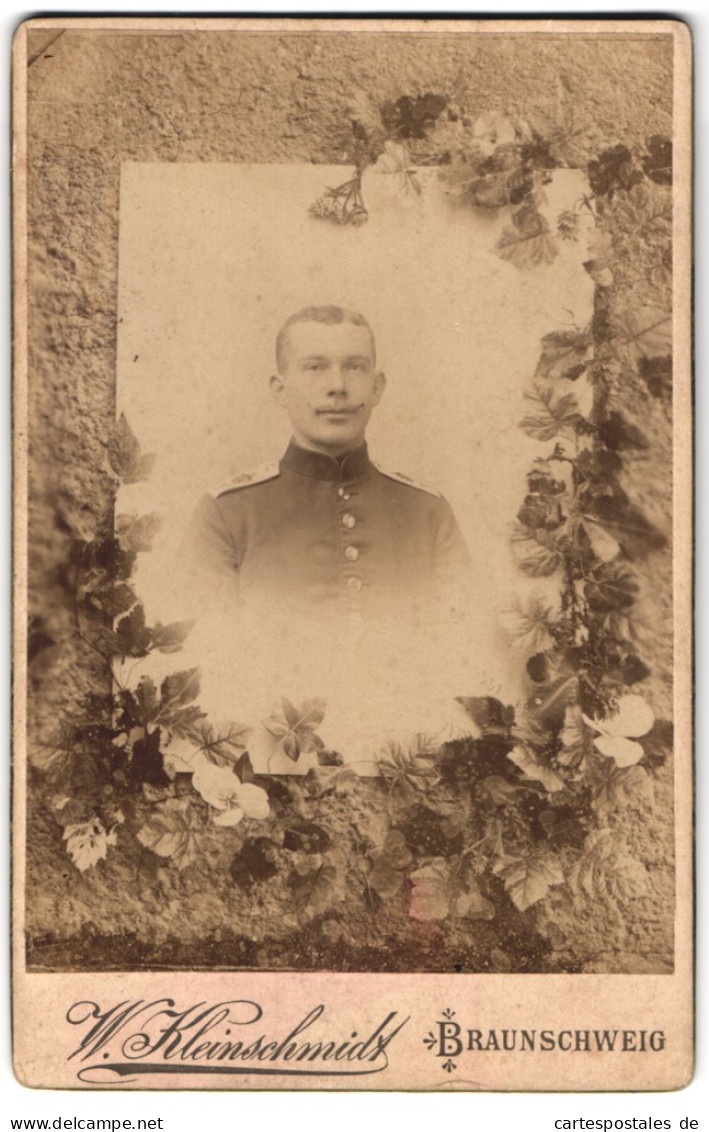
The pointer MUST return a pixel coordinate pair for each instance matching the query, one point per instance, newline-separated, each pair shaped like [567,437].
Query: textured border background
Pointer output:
[73,395]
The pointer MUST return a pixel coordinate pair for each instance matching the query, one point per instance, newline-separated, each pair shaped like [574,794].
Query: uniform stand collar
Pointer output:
[353,465]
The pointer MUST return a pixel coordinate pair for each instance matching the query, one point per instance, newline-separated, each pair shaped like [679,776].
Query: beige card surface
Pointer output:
[352,554]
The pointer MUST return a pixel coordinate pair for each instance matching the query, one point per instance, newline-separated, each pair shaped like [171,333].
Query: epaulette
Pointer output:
[247,479]
[400,478]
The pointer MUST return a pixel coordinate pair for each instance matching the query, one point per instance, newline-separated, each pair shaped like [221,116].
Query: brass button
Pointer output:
[351,553]
[343,493]
[354,584]
[348,521]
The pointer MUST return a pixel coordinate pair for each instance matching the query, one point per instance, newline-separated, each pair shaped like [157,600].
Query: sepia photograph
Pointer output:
[353,553]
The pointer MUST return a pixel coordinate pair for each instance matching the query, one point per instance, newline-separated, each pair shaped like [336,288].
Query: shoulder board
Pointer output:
[400,478]
[247,479]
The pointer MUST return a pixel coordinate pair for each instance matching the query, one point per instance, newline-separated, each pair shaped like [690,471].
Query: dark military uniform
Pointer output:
[317,533]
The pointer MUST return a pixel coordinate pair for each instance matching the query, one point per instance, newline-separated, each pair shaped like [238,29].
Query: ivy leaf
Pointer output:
[551,415]
[528,242]
[536,771]
[87,842]
[295,727]
[133,637]
[170,638]
[137,533]
[430,898]
[657,162]
[244,768]
[527,880]
[124,454]
[177,690]
[565,353]
[168,832]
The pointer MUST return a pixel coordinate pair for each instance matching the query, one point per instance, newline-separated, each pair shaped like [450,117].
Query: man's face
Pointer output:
[329,384]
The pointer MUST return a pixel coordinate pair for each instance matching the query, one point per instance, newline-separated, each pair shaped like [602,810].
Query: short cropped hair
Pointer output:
[330,315]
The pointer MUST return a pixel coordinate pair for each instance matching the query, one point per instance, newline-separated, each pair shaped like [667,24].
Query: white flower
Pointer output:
[633,718]
[222,790]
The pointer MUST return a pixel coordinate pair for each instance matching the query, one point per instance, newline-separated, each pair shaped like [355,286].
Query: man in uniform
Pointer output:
[326,531]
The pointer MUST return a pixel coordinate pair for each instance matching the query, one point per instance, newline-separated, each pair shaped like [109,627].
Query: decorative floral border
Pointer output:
[485,827]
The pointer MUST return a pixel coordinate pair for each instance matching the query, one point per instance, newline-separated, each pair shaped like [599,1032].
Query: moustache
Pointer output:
[339,410]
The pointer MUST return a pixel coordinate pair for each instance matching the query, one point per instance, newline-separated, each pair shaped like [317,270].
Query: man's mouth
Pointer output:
[341,411]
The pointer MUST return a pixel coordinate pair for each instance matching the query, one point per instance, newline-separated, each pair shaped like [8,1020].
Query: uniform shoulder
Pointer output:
[401,478]
[261,474]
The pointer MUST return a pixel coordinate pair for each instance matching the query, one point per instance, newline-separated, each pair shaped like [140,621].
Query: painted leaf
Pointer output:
[471,904]
[646,211]
[528,881]
[611,586]
[168,833]
[388,870]
[539,555]
[528,242]
[137,532]
[124,454]
[133,637]
[87,842]
[627,786]
[551,414]
[657,162]
[295,727]
[646,331]
[529,626]
[177,690]
[602,543]
[627,525]
[535,771]
[430,898]
[565,353]
[170,638]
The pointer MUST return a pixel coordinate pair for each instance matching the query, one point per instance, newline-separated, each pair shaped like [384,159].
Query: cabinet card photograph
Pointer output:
[352,554]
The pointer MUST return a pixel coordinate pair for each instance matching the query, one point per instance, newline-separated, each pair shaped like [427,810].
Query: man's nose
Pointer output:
[337,379]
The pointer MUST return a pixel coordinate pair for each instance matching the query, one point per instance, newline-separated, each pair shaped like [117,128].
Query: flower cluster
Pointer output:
[342,205]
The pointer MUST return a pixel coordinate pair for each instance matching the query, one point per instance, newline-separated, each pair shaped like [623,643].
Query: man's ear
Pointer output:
[278,389]
[379,385]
